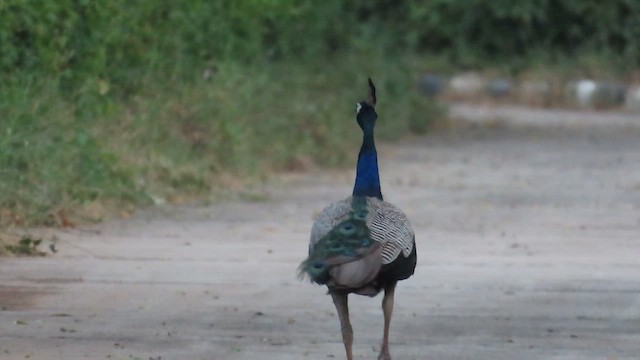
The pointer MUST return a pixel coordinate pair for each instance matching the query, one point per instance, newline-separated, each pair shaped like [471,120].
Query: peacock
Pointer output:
[362,244]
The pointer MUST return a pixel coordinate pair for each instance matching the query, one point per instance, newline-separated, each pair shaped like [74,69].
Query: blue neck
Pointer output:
[367,177]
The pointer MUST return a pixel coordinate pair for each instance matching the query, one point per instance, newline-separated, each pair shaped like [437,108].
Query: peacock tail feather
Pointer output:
[352,239]
[348,240]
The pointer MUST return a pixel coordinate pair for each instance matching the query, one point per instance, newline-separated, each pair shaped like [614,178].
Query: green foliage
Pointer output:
[122,103]
[133,102]
[115,46]
[186,138]
[496,31]
[48,156]
[121,42]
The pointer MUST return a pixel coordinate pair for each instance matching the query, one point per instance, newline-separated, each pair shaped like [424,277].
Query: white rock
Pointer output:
[584,91]
[467,83]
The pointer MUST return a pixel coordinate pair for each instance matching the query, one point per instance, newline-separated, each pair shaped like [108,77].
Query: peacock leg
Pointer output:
[342,305]
[387,310]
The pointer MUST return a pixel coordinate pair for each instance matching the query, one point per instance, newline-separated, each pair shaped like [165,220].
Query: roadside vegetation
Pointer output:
[109,106]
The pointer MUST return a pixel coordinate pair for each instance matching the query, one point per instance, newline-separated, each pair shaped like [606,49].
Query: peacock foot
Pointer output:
[384,353]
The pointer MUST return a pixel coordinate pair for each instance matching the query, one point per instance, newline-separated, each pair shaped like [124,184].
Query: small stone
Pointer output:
[610,94]
[431,84]
[499,87]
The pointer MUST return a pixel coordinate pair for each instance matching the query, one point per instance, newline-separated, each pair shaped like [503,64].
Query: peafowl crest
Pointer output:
[362,244]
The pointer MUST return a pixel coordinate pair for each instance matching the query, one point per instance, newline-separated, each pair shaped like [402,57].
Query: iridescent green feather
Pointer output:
[349,240]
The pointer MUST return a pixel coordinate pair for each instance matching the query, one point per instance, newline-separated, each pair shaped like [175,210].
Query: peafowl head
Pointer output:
[365,110]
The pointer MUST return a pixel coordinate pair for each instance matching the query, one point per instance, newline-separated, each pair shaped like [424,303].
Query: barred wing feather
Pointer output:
[387,224]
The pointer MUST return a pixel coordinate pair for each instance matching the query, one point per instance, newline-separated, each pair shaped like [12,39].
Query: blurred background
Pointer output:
[106,106]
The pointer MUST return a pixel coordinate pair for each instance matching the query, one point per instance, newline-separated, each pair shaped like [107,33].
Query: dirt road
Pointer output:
[528,232]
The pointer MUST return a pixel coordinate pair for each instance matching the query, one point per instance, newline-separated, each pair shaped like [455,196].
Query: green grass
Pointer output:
[65,160]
